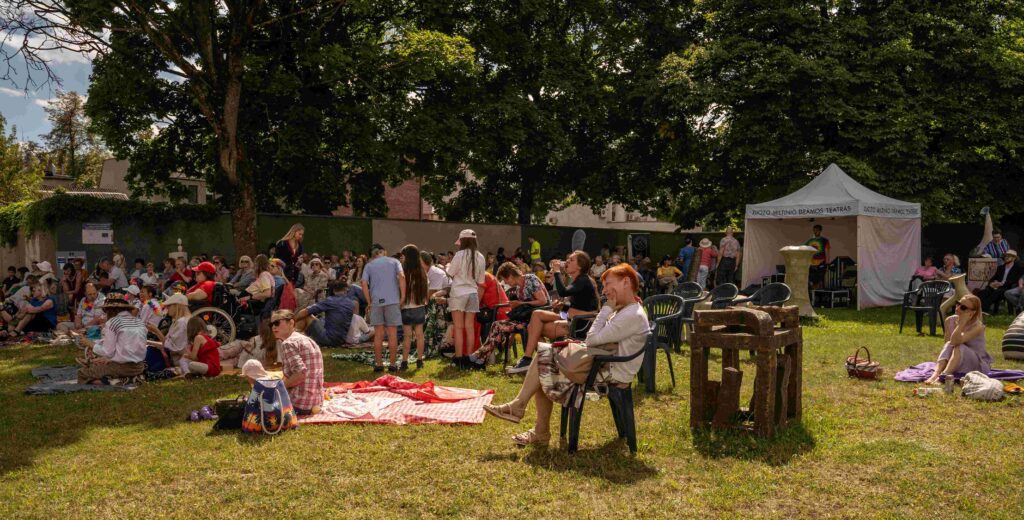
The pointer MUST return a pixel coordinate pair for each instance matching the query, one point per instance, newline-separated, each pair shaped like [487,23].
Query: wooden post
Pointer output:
[785,368]
[728,398]
[698,376]
[764,389]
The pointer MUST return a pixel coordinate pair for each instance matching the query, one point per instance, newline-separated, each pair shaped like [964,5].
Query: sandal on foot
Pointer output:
[503,411]
[530,438]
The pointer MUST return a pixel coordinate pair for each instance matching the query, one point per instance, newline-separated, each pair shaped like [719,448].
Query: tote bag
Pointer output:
[269,409]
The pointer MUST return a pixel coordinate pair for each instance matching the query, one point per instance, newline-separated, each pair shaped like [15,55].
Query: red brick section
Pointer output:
[402,201]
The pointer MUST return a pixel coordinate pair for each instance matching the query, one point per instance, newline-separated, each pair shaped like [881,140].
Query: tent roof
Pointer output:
[833,193]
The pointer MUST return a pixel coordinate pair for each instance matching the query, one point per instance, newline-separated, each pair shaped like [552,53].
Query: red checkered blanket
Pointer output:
[392,400]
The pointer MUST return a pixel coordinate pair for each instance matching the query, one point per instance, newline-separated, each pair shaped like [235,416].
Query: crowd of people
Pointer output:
[136,321]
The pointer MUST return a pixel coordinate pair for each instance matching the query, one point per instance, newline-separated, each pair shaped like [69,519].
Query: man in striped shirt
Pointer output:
[997,247]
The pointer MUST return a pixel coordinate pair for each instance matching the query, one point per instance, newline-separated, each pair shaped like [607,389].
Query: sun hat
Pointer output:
[1011,252]
[244,258]
[465,233]
[316,260]
[44,266]
[134,289]
[176,299]
[253,369]
[205,267]
[705,242]
[117,303]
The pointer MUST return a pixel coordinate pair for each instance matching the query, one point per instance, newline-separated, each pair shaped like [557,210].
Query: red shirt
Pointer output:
[209,354]
[207,288]
[493,296]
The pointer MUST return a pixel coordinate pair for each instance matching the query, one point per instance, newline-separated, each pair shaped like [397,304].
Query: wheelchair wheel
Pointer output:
[221,325]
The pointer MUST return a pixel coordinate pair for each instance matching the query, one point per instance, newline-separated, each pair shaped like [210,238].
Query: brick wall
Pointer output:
[402,201]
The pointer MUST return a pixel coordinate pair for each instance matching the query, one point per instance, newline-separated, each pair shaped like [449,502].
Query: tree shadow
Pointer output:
[610,462]
[34,425]
[738,444]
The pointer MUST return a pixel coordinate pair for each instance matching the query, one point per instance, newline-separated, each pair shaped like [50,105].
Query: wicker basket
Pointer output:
[863,368]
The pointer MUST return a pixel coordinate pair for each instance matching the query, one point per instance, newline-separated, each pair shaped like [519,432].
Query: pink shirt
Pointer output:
[927,273]
[706,255]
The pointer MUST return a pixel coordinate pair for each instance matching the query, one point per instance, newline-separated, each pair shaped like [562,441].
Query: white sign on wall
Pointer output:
[97,233]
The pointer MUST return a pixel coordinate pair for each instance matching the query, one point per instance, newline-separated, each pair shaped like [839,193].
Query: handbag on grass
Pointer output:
[229,413]
[862,368]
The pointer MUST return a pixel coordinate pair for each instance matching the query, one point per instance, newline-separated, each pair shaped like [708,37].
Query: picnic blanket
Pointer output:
[63,379]
[923,371]
[392,400]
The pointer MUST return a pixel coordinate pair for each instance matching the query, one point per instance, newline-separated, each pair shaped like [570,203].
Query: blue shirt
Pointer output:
[51,313]
[686,253]
[337,312]
[381,276]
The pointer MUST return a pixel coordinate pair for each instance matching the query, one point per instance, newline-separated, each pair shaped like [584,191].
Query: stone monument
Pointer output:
[798,265]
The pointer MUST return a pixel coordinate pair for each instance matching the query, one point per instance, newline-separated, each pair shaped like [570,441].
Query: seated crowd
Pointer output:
[136,322]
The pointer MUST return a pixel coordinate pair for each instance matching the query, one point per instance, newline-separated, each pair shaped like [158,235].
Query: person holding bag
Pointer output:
[620,328]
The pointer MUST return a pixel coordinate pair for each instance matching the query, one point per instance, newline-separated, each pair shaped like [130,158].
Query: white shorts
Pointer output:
[465,303]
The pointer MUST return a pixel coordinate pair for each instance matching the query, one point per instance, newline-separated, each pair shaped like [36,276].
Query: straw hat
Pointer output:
[1010,252]
[176,299]
[705,242]
[117,303]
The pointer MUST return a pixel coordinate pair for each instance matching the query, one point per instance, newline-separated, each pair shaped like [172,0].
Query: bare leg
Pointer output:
[24,322]
[954,361]
[535,330]
[420,342]
[544,405]
[459,321]
[406,341]
[531,386]
[393,344]
[940,366]
[469,325]
[378,344]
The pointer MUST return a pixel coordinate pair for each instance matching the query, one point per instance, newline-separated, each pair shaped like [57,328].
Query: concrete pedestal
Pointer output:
[798,265]
[960,287]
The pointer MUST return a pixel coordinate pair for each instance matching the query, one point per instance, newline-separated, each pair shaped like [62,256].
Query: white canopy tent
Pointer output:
[882,234]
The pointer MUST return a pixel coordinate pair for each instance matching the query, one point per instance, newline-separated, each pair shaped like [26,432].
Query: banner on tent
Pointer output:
[834,210]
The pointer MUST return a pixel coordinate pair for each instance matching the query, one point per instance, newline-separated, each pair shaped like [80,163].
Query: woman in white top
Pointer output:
[620,328]
[466,270]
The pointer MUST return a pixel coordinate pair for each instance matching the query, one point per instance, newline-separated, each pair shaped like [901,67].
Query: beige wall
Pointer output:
[441,236]
[40,247]
[114,173]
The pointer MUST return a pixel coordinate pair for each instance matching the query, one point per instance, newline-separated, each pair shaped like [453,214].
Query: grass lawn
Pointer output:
[863,449]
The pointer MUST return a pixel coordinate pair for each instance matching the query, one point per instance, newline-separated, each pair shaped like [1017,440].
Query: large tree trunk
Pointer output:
[243,220]
[526,199]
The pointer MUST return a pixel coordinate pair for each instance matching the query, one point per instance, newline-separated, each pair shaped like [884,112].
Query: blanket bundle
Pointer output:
[923,371]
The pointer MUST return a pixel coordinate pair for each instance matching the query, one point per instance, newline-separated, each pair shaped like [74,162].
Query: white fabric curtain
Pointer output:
[764,237]
[888,252]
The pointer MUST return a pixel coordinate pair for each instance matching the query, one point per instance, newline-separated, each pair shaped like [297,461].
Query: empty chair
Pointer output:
[774,294]
[665,310]
[927,298]
[722,295]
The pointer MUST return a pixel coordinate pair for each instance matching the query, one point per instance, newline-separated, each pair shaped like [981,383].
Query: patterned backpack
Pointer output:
[269,409]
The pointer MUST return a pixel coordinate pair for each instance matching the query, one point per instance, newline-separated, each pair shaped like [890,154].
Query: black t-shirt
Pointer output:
[582,291]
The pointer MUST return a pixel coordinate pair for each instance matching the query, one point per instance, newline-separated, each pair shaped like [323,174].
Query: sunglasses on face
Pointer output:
[964,307]
[276,323]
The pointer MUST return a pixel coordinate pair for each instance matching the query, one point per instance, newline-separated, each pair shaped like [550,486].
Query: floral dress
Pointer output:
[502,330]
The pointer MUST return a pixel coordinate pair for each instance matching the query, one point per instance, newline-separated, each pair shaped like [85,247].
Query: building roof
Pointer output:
[92,192]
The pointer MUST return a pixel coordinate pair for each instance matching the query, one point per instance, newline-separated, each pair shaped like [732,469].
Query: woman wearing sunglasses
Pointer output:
[965,342]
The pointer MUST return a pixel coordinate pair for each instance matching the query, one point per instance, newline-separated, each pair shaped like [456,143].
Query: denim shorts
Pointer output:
[465,303]
[385,315]
[414,315]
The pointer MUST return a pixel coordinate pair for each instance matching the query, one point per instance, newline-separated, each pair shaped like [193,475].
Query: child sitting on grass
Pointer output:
[203,355]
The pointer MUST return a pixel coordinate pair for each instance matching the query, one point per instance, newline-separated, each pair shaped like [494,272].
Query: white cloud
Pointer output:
[54,56]
[42,102]
[12,92]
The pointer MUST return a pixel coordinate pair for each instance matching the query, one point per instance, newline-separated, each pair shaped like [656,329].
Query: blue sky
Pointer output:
[26,110]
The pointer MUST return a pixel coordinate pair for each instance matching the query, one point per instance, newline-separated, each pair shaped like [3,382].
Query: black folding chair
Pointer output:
[927,298]
[773,294]
[722,295]
[619,399]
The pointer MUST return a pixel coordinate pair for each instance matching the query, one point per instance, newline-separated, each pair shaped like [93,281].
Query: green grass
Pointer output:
[863,449]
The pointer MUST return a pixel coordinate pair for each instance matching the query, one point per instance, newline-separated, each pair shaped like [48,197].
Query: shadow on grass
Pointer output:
[775,451]
[34,425]
[611,461]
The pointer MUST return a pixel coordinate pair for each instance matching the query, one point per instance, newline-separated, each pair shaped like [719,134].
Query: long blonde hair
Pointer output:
[177,310]
[290,235]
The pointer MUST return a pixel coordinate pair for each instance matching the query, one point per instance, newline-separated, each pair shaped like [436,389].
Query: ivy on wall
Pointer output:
[45,214]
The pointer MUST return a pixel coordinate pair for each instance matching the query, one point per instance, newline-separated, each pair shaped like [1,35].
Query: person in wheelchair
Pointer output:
[202,291]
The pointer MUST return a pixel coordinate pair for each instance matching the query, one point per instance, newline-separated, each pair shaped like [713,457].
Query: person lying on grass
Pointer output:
[964,350]
[121,351]
[620,328]
[203,355]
